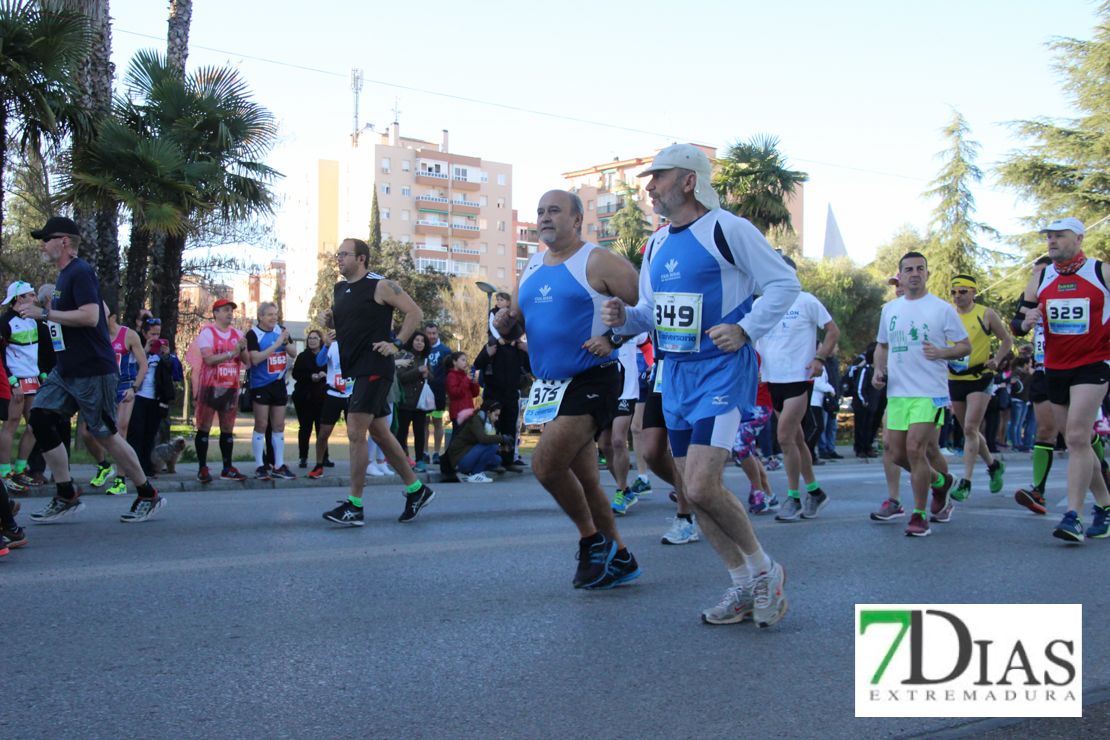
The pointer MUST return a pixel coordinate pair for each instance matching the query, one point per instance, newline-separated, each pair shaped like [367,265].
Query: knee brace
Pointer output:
[44,425]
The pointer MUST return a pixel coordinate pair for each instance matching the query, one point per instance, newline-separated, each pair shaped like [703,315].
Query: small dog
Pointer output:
[166,455]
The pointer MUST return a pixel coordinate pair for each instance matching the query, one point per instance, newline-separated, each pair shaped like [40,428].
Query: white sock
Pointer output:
[279,449]
[740,576]
[644,478]
[758,563]
[258,444]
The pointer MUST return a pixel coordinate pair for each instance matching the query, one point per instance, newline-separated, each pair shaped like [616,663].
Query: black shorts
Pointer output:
[1060,382]
[369,396]
[441,398]
[595,392]
[271,394]
[625,407]
[334,407]
[782,392]
[959,390]
[1038,387]
[4,403]
[653,412]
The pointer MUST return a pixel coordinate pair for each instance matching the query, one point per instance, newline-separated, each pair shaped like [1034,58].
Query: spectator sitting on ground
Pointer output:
[474,444]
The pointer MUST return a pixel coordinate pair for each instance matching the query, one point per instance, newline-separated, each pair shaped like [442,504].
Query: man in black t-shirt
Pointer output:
[361,315]
[85,378]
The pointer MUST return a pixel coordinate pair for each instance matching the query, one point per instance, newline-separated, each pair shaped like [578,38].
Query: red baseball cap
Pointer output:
[223,302]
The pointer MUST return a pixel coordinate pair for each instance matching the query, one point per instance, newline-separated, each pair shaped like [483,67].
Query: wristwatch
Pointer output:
[615,339]
[398,343]
[45,313]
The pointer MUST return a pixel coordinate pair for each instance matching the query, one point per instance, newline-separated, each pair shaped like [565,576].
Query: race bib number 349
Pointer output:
[678,321]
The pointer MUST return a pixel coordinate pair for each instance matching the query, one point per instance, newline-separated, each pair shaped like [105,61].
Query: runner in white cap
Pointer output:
[21,358]
[696,290]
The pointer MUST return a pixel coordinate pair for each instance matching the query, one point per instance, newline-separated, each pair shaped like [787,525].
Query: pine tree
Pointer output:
[953,250]
[1064,170]
[375,240]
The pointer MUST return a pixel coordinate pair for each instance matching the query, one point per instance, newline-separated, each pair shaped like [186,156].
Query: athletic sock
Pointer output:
[355,501]
[644,478]
[21,465]
[227,447]
[919,511]
[794,494]
[5,468]
[1042,464]
[202,448]
[812,487]
[994,466]
[258,444]
[688,517]
[279,449]
[740,576]
[758,563]
[414,487]
[939,482]
[65,491]
[146,490]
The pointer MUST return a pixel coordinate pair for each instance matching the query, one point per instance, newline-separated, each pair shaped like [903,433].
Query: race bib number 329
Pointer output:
[1068,315]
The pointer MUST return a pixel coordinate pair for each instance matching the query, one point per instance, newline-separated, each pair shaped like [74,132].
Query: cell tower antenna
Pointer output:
[396,110]
[356,88]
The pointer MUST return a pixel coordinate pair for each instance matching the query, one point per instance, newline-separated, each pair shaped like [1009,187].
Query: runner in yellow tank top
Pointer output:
[970,378]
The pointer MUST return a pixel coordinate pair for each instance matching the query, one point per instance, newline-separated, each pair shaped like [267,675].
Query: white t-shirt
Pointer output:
[788,349]
[904,326]
[821,386]
[627,355]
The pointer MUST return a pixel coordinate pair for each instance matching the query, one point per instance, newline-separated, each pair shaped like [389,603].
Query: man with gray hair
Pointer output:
[270,348]
[696,291]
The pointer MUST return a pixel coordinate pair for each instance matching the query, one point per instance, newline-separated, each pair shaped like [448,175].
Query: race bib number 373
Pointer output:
[678,321]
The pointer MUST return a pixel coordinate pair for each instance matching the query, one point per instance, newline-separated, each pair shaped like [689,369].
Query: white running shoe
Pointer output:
[681,532]
[770,600]
[736,606]
[375,470]
[479,478]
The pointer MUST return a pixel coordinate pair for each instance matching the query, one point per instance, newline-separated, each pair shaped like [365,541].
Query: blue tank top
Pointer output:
[273,367]
[561,311]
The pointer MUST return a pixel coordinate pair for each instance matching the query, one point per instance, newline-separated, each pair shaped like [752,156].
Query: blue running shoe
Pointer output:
[641,486]
[623,501]
[1069,529]
[622,569]
[593,561]
[1099,525]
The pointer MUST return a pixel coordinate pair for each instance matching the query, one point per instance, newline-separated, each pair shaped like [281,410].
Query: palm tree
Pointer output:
[754,182]
[211,116]
[177,37]
[630,249]
[40,52]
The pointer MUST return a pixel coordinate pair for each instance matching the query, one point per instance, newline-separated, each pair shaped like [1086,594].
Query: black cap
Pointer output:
[57,225]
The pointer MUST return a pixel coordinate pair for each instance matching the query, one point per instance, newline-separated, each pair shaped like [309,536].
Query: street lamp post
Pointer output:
[489,290]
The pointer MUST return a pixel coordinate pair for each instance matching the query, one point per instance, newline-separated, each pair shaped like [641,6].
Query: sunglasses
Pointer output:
[152,321]
[52,237]
[961,291]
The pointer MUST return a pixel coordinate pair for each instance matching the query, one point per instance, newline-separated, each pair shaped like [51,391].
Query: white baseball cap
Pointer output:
[17,289]
[689,157]
[1066,224]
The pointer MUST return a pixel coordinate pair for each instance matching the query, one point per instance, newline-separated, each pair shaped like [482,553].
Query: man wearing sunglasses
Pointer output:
[969,384]
[85,378]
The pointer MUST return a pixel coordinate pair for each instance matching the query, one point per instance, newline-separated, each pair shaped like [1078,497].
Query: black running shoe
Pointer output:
[414,502]
[13,538]
[620,570]
[262,473]
[593,561]
[346,513]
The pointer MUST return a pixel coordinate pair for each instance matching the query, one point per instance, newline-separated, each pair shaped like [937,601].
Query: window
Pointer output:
[385,165]
[521,263]
[483,224]
[501,249]
[406,190]
[501,272]
[406,165]
[404,238]
[385,235]
[485,177]
[483,271]
[532,249]
[405,215]
[501,181]
[460,173]
[589,205]
[500,225]
[456,245]
[591,228]
[500,202]
[385,188]
[483,247]
[483,200]
[423,263]
[464,269]
[385,213]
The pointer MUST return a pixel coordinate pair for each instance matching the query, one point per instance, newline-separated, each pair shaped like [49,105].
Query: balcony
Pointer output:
[465,227]
[464,250]
[431,227]
[609,208]
[432,199]
[464,255]
[461,183]
[430,247]
[468,207]
[427,177]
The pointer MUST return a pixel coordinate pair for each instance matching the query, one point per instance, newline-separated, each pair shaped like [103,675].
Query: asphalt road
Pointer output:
[246,615]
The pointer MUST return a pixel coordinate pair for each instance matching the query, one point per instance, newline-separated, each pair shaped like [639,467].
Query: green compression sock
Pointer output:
[356,501]
[414,487]
[794,494]
[1042,464]
[811,487]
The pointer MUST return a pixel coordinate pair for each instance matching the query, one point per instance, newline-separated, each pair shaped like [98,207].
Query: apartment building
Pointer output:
[604,188]
[527,243]
[454,209]
[251,290]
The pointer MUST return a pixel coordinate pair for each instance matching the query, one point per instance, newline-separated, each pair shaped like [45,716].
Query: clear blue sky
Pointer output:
[856,84]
